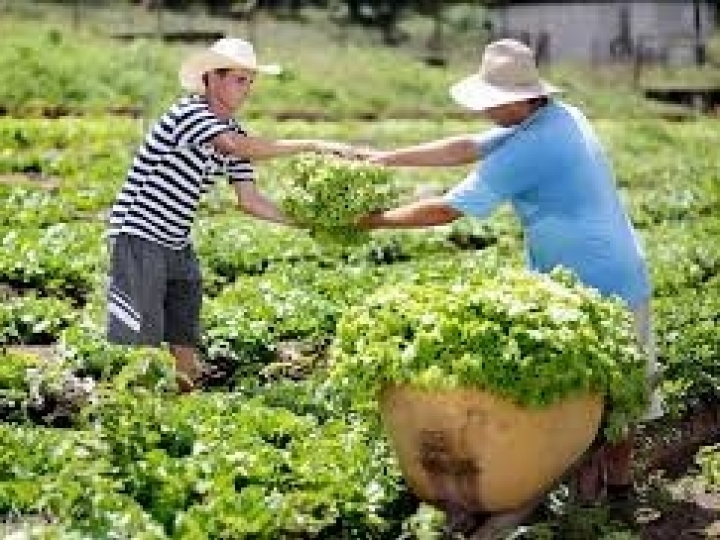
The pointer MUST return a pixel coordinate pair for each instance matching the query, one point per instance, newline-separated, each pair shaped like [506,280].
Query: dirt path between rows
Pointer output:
[686,507]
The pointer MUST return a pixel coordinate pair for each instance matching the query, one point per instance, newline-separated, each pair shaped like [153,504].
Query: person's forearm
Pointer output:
[259,148]
[255,149]
[425,213]
[262,208]
[445,152]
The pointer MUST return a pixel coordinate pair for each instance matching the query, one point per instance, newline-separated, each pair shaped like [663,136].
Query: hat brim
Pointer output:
[474,93]
[192,70]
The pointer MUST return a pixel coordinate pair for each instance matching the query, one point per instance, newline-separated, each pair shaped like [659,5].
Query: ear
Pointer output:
[210,78]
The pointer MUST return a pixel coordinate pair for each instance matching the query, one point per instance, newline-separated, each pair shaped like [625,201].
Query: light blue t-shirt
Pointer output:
[553,170]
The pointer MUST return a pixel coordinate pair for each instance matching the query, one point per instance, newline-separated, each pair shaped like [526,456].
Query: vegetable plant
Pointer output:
[532,338]
[329,194]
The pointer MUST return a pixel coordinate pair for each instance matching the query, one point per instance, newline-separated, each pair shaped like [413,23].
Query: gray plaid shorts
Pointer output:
[153,294]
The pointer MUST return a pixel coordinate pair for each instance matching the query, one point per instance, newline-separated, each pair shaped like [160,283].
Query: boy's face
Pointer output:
[232,88]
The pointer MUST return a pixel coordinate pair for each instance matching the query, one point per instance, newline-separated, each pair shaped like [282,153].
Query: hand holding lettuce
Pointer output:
[327,195]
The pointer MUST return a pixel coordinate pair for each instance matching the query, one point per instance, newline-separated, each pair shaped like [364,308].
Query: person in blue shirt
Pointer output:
[545,160]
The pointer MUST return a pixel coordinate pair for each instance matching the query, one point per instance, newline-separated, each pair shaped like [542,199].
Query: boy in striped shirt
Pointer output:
[155,290]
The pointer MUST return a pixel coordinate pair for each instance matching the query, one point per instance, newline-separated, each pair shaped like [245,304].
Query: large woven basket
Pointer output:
[470,449]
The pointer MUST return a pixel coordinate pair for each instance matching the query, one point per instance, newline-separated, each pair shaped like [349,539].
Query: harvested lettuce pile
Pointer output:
[528,337]
[327,195]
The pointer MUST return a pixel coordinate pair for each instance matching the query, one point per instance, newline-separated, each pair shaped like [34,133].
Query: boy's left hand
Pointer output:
[345,150]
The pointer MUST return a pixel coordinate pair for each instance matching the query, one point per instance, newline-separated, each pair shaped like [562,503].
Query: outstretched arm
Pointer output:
[460,150]
[253,202]
[254,148]
[424,213]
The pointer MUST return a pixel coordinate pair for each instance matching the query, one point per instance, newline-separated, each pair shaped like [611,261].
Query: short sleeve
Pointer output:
[489,140]
[239,170]
[196,124]
[473,197]
[502,176]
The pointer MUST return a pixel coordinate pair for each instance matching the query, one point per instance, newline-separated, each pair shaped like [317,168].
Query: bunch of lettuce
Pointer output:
[532,338]
[327,195]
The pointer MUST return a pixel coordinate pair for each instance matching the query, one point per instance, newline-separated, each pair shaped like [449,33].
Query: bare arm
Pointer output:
[424,213]
[252,202]
[258,148]
[460,150]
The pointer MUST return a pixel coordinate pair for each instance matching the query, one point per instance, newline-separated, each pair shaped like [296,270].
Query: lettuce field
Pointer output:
[96,442]
[96,439]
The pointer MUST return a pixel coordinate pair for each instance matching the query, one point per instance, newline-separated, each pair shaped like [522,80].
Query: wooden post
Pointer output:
[699,48]
[158,20]
[638,52]
[150,68]
[436,46]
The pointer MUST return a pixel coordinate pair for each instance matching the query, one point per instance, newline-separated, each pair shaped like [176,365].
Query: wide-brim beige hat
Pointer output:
[507,74]
[226,53]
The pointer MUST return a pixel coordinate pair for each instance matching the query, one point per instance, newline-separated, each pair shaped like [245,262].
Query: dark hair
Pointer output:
[539,101]
[220,71]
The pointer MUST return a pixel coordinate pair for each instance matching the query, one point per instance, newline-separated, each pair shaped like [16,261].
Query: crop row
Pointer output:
[97,437]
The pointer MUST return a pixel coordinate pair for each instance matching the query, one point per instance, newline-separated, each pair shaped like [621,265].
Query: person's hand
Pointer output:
[367,222]
[348,151]
[333,148]
[370,155]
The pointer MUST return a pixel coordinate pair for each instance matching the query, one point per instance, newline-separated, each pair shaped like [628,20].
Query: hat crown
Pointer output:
[225,53]
[509,64]
[238,50]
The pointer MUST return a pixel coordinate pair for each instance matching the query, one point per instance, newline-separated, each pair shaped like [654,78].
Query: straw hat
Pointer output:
[507,74]
[226,53]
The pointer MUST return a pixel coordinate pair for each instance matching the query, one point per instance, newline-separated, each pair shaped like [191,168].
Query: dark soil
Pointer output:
[684,520]
[683,507]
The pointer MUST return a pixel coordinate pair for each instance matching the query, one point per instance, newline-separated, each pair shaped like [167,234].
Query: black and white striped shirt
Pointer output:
[175,165]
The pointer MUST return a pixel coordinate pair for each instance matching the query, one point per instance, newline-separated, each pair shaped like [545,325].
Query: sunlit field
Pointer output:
[96,442]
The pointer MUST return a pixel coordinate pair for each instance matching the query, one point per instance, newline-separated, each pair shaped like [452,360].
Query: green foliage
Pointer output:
[708,459]
[40,389]
[43,65]
[248,319]
[83,346]
[675,200]
[62,259]
[578,522]
[681,258]
[207,466]
[226,467]
[32,456]
[324,74]
[230,246]
[66,169]
[31,320]
[284,458]
[13,370]
[42,61]
[688,337]
[526,337]
[328,195]
[23,206]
